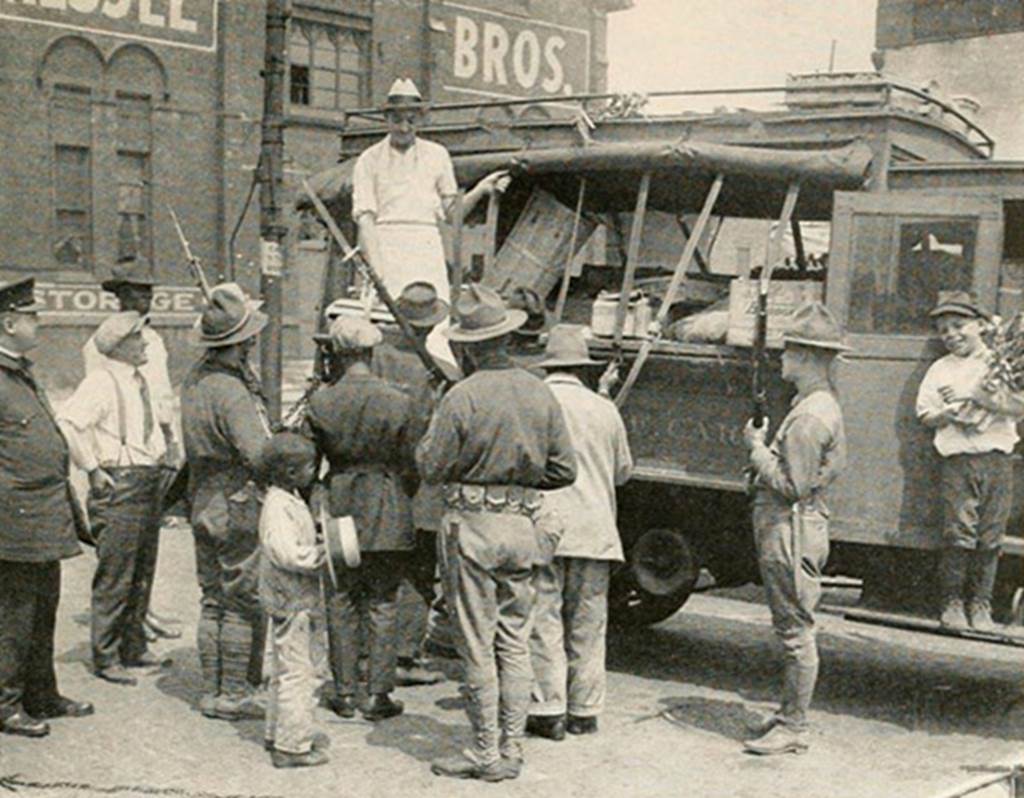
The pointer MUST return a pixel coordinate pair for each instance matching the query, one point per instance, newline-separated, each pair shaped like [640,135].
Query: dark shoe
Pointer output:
[381,706]
[320,742]
[310,759]
[577,725]
[24,725]
[550,726]
[147,660]
[763,725]
[64,708]
[461,766]
[438,649]
[344,706]
[780,740]
[953,616]
[980,613]
[118,675]
[412,673]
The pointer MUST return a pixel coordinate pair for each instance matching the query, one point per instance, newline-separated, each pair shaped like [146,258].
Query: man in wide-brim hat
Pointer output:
[975,423]
[567,644]
[224,426]
[403,189]
[496,440]
[423,626]
[791,478]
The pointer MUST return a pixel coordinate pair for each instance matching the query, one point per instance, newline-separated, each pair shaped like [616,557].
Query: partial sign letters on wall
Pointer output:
[503,55]
[177,23]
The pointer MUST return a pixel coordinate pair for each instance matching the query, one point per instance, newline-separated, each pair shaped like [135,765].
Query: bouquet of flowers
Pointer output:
[1005,375]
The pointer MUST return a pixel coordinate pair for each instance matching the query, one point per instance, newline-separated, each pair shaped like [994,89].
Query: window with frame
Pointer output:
[71,130]
[328,65]
[900,266]
[134,183]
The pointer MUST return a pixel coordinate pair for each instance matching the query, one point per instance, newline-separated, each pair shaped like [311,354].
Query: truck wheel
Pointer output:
[657,579]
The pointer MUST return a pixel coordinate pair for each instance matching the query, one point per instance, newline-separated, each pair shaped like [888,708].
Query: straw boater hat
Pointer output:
[230,317]
[116,328]
[19,297]
[813,325]
[420,305]
[404,94]
[566,348]
[482,315]
[958,303]
[129,270]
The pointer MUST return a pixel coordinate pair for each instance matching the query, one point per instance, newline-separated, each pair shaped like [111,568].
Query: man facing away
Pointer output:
[112,430]
[792,476]
[567,645]
[496,440]
[37,532]
[224,427]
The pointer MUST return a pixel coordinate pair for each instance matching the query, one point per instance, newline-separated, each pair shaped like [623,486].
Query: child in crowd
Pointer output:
[975,425]
[291,595]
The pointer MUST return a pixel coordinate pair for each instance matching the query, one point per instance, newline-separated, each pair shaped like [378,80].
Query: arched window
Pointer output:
[329,65]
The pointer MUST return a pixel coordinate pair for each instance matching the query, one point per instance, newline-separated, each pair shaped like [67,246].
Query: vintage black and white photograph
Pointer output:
[528,398]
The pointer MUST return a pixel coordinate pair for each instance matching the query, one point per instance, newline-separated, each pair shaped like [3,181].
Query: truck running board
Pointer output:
[1011,636]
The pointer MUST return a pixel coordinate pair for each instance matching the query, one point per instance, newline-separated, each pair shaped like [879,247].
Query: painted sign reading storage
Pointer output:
[178,23]
[75,298]
[503,55]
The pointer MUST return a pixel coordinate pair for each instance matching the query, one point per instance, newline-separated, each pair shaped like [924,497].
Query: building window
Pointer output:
[71,127]
[328,66]
[134,184]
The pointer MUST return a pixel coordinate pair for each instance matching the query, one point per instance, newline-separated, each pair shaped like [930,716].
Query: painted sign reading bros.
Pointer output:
[178,23]
[502,55]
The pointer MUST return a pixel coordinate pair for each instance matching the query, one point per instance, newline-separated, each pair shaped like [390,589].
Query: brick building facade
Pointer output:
[119,108]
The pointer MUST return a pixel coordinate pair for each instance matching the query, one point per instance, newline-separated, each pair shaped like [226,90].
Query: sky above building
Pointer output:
[697,44]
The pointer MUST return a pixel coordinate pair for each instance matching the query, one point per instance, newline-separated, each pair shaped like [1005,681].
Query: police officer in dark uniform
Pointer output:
[38,528]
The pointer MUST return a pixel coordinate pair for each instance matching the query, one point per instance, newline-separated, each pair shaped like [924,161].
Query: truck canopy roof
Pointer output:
[681,173]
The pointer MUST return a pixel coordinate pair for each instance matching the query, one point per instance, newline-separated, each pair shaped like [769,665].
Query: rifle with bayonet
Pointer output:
[351,253]
[193,261]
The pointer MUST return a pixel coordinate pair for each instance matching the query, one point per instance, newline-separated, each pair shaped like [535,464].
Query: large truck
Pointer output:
[911,201]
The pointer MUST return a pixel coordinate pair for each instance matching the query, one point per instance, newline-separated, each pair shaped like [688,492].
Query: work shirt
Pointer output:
[806,455]
[91,420]
[35,495]
[366,429]
[396,361]
[290,565]
[403,186]
[154,370]
[603,460]
[996,433]
[500,426]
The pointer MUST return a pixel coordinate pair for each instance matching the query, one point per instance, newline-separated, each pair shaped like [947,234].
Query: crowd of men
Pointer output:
[492,495]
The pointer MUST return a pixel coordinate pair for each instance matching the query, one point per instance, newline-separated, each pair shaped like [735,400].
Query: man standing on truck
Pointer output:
[791,476]
[975,423]
[403,188]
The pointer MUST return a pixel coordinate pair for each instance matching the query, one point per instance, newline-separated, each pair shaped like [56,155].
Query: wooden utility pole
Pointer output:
[272,225]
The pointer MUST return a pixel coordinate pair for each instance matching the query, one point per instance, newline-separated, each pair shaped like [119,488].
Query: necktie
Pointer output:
[147,407]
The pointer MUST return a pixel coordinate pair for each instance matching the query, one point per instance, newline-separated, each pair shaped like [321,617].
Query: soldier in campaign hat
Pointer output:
[37,533]
[791,479]
[224,427]
[496,440]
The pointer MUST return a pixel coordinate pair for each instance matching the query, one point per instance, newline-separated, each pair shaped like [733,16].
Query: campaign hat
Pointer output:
[115,328]
[566,347]
[230,317]
[18,296]
[958,303]
[129,270]
[813,325]
[404,94]
[420,305]
[481,315]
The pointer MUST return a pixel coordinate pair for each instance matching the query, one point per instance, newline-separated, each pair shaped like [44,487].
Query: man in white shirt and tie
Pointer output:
[113,434]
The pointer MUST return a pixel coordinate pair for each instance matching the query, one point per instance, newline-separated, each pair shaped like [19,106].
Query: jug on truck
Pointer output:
[901,197]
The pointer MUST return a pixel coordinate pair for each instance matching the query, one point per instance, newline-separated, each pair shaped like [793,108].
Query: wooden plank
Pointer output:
[491,229]
[1012,636]
[457,273]
[632,256]
[563,289]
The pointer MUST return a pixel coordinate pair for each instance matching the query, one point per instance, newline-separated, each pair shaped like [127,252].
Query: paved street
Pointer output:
[896,715]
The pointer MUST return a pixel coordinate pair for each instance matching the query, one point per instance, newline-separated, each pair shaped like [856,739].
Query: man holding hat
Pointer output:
[111,426]
[975,427]
[403,189]
[791,479]
[496,440]
[567,645]
[366,430]
[395,360]
[224,427]
[37,532]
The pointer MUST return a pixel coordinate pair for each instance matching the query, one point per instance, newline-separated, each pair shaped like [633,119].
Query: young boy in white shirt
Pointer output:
[291,596]
[975,432]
